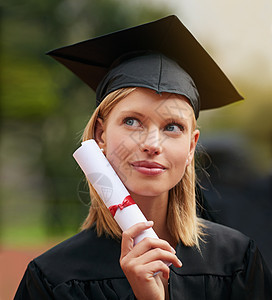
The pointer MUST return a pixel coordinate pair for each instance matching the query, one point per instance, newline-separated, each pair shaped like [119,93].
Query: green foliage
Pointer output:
[44,107]
[28,90]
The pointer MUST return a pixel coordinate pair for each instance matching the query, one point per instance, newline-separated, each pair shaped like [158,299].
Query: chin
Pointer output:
[147,191]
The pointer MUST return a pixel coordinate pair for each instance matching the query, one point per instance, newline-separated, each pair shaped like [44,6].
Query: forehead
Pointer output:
[148,101]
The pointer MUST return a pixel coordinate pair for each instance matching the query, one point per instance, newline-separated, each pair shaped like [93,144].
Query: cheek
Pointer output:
[119,147]
[178,160]
[180,165]
[178,151]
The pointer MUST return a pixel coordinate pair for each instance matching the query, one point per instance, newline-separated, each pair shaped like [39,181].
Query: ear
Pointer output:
[194,140]
[99,133]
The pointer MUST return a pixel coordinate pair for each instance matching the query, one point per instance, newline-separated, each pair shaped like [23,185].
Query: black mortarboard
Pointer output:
[158,55]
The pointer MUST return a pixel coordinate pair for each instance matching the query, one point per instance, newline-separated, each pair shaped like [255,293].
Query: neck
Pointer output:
[155,209]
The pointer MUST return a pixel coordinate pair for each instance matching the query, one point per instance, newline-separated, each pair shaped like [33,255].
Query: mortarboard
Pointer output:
[162,55]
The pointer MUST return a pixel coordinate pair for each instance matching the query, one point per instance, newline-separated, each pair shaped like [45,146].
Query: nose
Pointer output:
[151,143]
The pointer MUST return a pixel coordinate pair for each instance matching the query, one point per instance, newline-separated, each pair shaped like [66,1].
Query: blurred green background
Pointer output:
[44,109]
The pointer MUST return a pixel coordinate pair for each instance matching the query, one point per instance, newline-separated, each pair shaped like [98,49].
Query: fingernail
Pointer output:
[173,250]
[149,223]
[180,263]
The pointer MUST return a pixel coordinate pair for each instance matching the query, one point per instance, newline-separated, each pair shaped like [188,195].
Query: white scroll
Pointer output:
[109,187]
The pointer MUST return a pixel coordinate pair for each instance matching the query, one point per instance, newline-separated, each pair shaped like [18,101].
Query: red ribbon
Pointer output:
[126,202]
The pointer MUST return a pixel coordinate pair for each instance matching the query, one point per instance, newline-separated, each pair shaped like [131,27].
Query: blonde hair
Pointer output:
[182,220]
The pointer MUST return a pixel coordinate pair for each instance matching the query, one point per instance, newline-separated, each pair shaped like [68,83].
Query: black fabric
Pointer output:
[92,59]
[203,207]
[150,70]
[229,266]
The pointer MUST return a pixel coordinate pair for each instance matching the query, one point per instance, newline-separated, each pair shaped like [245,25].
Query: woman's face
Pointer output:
[149,140]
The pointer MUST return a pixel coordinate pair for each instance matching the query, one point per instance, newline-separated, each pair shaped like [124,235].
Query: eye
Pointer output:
[173,127]
[131,122]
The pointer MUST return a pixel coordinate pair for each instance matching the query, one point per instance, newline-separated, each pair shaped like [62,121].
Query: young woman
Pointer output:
[145,124]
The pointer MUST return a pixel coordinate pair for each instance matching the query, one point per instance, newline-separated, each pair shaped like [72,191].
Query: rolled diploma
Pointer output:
[109,187]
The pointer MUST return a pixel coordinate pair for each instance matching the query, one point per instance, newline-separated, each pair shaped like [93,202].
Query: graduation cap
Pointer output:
[162,55]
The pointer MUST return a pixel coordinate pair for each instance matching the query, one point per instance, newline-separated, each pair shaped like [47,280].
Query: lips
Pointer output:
[148,167]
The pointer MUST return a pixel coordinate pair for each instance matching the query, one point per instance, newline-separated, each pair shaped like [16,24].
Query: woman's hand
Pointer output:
[142,261]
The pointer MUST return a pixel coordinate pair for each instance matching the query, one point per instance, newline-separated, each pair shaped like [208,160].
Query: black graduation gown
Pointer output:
[229,266]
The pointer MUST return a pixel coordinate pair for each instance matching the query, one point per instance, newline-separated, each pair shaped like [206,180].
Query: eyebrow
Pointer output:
[165,115]
[132,112]
[175,116]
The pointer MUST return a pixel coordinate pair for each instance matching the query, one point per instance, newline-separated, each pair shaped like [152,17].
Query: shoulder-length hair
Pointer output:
[182,220]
